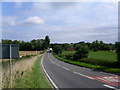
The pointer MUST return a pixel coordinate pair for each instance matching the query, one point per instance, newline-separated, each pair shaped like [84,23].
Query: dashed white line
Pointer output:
[53,62]
[109,86]
[65,68]
[83,75]
[57,64]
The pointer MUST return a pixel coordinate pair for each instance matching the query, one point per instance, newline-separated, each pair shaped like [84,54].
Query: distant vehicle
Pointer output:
[50,50]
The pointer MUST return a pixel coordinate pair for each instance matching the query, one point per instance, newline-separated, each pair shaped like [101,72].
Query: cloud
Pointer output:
[67,22]
[34,20]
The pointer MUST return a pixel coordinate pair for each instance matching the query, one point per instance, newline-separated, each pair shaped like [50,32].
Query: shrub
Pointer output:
[57,49]
[69,56]
[81,53]
[95,49]
[118,50]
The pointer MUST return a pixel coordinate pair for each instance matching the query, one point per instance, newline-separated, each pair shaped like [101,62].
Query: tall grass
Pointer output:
[34,78]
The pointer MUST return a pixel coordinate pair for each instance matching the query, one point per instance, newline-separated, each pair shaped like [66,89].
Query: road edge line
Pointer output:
[54,85]
[109,86]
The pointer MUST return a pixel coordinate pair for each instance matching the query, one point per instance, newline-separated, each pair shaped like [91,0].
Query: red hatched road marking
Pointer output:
[113,80]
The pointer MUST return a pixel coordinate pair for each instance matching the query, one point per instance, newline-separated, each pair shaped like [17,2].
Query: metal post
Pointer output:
[10,67]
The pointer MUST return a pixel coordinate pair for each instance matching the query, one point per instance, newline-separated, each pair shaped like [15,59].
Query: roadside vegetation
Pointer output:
[96,55]
[24,74]
[34,78]
[19,69]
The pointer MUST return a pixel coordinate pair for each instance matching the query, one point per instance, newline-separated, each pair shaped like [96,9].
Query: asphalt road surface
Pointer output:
[64,75]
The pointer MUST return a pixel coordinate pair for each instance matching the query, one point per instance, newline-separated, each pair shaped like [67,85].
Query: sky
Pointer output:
[63,22]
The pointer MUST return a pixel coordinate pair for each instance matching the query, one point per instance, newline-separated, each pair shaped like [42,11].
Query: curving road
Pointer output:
[63,75]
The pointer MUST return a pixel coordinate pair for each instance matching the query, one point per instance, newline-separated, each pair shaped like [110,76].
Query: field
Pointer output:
[100,60]
[96,57]
[104,55]
[23,54]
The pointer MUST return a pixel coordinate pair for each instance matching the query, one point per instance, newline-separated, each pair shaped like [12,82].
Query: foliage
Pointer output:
[118,50]
[104,58]
[82,52]
[57,49]
[89,65]
[100,45]
[47,42]
[65,46]
[39,44]
[95,49]
[69,56]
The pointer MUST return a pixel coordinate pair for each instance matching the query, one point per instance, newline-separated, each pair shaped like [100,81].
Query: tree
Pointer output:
[57,49]
[82,52]
[6,41]
[65,46]
[47,42]
[117,44]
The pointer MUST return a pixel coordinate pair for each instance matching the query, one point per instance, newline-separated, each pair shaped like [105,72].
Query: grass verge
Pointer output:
[88,65]
[34,78]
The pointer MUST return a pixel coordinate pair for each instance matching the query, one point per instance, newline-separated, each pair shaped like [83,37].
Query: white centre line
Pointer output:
[83,75]
[57,64]
[65,68]
[109,86]
[52,62]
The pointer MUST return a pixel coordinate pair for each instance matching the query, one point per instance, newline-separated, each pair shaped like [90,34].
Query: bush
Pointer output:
[81,53]
[118,50]
[69,56]
[57,49]
[95,49]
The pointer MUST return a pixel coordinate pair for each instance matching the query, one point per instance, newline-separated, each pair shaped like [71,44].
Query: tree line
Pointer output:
[33,45]
[82,49]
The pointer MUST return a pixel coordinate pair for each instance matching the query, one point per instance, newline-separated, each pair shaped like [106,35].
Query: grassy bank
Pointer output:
[101,60]
[33,79]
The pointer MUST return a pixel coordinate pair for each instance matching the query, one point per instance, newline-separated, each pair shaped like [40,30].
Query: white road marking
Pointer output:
[57,64]
[65,68]
[48,75]
[109,79]
[109,86]
[83,75]
[51,60]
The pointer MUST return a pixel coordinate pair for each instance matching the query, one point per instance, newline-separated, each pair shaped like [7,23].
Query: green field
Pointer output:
[100,60]
[99,57]
[104,55]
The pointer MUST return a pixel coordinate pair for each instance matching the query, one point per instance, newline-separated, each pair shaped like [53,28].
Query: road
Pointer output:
[64,75]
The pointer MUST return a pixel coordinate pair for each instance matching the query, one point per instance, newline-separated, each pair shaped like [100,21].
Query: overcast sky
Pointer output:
[62,22]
